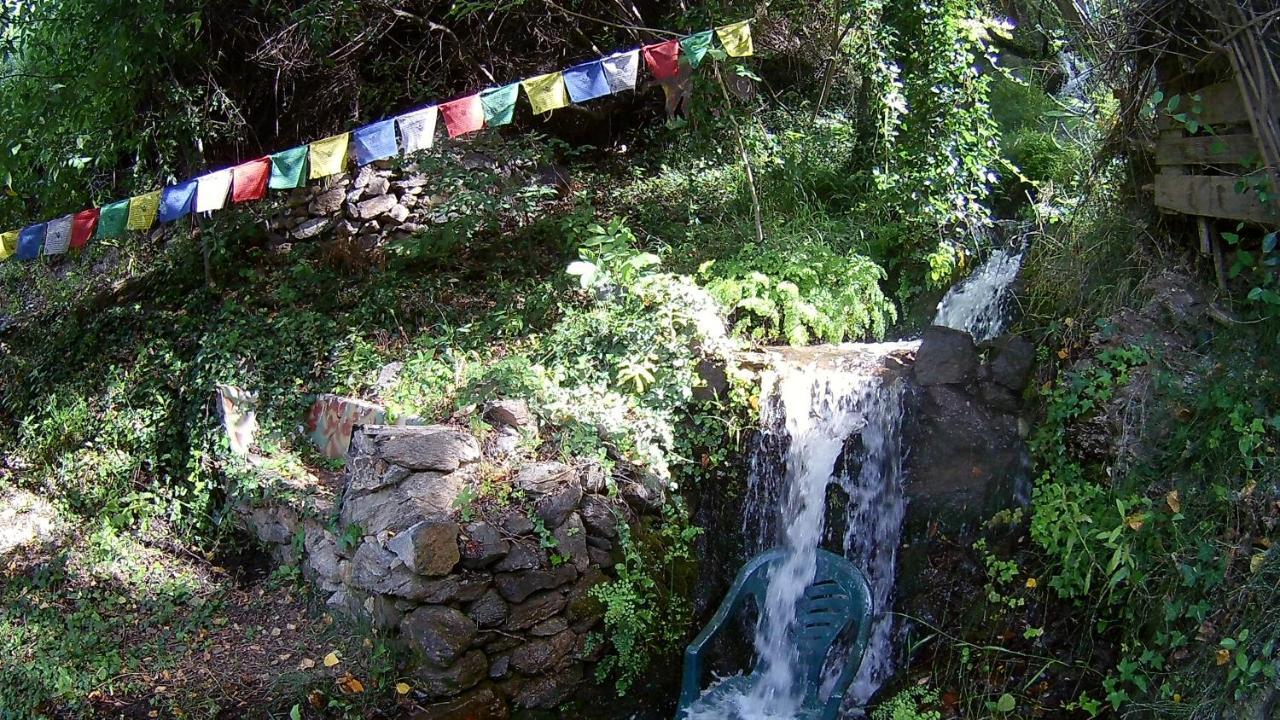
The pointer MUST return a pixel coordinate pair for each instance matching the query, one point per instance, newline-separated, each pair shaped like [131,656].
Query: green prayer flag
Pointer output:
[112,220]
[287,168]
[500,104]
[694,48]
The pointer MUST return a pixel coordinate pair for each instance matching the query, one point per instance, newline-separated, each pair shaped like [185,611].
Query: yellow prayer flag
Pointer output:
[142,211]
[8,244]
[329,156]
[736,39]
[546,92]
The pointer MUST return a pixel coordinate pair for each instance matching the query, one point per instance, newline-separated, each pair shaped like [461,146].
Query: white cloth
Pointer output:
[212,190]
[620,70]
[418,129]
[57,237]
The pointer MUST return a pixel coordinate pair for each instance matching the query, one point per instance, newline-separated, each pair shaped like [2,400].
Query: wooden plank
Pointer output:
[1220,104]
[1211,196]
[1207,150]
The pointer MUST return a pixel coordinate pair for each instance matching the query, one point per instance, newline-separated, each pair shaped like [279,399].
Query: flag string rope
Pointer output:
[404,134]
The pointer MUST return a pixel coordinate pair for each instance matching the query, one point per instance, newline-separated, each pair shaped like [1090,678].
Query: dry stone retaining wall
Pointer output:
[495,601]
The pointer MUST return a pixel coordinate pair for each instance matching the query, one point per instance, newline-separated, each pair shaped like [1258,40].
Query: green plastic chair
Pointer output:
[838,596]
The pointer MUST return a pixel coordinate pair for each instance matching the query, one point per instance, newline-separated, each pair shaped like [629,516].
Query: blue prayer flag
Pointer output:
[176,201]
[375,142]
[29,242]
[586,81]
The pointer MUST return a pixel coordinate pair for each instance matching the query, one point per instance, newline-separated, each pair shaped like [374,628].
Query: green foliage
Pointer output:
[909,704]
[89,91]
[1163,532]
[801,294]
[645,615]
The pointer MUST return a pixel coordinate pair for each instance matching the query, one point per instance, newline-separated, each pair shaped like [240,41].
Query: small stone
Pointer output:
[379,571]
[363,176]
[310,228]
[382,612]
[398,214]
[481,545]
[345,229]
[548,691]
[549,627]
[599,516]
[441,633]
[517,586]
[571,541]
[483,703]
[600,558]
[428,548]
[375,206]
[409,182]
[538,656]
[522,556]
[517,524]
[433,447]
[377,186]
[500,668]
[489,611]
[535,610]
[328,202]
[466,673]
[512,413]
[541,478]
[554,508]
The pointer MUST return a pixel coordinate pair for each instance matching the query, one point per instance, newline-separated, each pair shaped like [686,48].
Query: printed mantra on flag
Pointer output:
[405,134]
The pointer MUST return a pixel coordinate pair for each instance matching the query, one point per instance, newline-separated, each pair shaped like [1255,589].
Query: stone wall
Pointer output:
[384,202]
[481,566]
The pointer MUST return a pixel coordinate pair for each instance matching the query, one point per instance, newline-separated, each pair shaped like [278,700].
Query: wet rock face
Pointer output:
[495,608]
[967,458]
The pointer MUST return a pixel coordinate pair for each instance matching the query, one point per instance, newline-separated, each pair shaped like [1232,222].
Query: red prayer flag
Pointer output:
[82,227]
[463,115]
[249,180]
[663,59]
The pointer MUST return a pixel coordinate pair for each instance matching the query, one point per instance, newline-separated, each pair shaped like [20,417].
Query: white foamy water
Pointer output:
[827,420]
[979,304]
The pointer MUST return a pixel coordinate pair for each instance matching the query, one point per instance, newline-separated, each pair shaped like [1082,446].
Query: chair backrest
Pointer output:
[838,597]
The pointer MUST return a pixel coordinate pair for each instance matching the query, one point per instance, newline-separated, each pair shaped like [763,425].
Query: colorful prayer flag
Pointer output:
[249,180]
[375,142]
[694,47]
[329,156]
[29,240]
[736,39]
[57,237]
[142,210]
[546,92]
[176,201]
[663,59]
[287,167]
[82,227]
[212,190]
[463,115]
[620,70]
[8,244]
[418,129]
[500,104]
[112,219]
[586,81]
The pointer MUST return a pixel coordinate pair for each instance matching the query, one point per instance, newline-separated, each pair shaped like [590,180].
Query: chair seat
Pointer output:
[730,699]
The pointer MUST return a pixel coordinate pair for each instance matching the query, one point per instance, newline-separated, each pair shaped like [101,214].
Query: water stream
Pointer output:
[979,304]
[832,417]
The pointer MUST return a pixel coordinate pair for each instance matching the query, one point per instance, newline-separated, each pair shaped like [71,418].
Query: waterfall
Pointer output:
[979,304]
[829,416]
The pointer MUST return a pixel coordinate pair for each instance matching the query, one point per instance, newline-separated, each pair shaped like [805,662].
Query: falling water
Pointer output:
[979,304]
[829,418]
